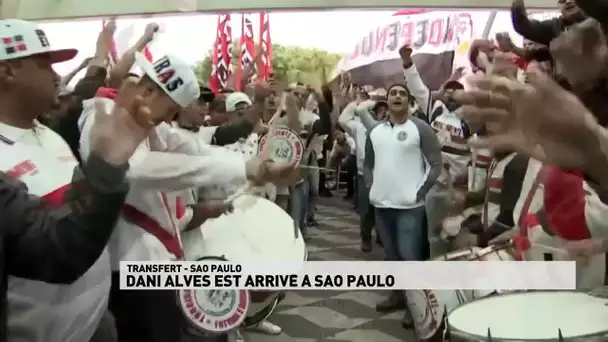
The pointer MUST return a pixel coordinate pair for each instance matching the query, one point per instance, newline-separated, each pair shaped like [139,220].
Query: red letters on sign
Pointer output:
[381,38]
[436,33]
[407,31]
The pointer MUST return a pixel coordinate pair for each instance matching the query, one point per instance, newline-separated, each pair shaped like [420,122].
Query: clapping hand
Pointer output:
[539,119]
[116,135]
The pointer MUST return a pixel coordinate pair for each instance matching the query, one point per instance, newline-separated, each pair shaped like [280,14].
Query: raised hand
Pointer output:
[405,52]
[504,42]
[150,30]
[581,54]
[117,133]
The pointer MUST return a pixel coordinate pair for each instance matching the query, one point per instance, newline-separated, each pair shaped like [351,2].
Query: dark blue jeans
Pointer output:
[298,205]
[366,210]
[402,233]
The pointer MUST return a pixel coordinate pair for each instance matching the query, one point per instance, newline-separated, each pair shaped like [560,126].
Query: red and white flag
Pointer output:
[265,64]
[222,54]
[247,49]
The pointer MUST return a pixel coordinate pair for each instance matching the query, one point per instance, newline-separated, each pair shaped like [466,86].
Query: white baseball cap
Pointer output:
[20,38]
[173,76]
[235,98]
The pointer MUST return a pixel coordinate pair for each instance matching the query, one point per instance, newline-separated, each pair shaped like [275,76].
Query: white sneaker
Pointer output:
[239,336]
[267,328]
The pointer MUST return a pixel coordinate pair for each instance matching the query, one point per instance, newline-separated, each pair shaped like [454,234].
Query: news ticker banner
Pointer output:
[349,275]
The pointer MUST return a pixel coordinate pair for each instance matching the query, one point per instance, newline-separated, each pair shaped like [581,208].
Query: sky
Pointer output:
[191,36]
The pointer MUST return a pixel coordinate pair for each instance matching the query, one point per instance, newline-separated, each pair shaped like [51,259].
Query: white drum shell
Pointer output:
[257,230]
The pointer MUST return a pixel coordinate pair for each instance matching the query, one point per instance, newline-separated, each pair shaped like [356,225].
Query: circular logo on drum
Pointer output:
[426,312]
[282,146]
[215,311]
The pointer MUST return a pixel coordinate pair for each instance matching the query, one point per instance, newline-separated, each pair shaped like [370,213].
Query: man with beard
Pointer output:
[43,162]
[402,163]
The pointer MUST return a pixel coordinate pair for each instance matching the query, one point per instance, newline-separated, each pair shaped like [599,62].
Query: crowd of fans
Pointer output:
[522,149]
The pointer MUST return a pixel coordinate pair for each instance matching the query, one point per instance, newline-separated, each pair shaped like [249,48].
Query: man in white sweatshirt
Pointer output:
[154,214]
[402,163]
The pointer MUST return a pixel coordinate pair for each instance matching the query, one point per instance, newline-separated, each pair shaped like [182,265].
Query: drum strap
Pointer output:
[523,228]
[145,222]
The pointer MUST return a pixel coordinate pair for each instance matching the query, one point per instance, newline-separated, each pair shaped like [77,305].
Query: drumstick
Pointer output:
[532,244]
[243,189]
[309,167]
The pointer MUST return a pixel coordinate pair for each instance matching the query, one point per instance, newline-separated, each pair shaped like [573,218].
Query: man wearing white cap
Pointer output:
[35,155]
[154,214]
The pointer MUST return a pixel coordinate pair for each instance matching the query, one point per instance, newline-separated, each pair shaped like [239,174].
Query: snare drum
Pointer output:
[429,307]
[257,230]
[531,316]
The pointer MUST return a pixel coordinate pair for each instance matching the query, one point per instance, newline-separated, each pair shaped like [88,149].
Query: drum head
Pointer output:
[257,230]
[532,316]
[214,311]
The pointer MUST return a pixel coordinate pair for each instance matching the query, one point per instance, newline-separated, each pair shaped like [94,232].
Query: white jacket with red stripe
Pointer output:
[161,168]
[41,312]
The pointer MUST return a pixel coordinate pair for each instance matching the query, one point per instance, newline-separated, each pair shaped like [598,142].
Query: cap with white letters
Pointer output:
[173,76]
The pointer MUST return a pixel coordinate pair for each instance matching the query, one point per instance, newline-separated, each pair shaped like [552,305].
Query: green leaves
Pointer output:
[289,63]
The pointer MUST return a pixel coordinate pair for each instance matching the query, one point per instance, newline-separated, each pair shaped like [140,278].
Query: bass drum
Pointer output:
[429,308]
[257,230]
[531,317]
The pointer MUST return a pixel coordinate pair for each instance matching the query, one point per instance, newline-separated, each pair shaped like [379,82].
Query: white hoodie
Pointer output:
[159,169]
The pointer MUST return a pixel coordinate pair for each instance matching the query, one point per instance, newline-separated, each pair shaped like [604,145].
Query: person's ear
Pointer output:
[7,72]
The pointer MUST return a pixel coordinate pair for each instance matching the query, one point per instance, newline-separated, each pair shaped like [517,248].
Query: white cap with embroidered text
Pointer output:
[20,38]
[235,98]
[173,76]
